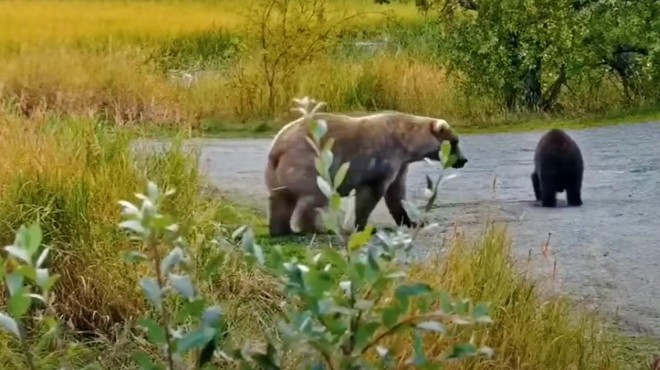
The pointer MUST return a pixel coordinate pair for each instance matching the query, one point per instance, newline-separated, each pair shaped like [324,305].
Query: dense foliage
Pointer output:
[525,53]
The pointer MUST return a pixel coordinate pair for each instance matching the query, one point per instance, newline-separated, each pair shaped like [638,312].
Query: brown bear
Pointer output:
[558,166]
[379,148]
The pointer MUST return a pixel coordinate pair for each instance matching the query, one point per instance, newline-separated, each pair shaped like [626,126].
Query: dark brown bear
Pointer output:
[558,166]
[379,148]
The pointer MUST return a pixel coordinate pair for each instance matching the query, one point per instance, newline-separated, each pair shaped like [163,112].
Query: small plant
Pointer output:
[21,270]
[171,268]
[342,324]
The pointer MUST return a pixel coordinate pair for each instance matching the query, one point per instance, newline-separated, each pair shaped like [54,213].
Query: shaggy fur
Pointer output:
[379,148]
[558,166]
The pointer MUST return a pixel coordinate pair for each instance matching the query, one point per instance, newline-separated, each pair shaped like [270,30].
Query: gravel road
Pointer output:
[606,250]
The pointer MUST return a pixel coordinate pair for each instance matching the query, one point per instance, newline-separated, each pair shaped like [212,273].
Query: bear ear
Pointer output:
[439,126]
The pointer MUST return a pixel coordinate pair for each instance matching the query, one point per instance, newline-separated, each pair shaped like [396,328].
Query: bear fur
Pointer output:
[379,148]
[558,166]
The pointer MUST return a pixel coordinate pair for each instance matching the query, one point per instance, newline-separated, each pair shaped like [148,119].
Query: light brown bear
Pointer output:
[379,148]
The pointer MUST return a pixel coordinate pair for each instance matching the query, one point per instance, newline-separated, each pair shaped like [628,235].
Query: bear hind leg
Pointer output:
[279,216]
[574,194]
[536,184]
[366,199]
[394,196]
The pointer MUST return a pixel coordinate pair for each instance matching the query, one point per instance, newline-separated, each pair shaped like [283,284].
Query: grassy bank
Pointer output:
[204,66]
[70,175]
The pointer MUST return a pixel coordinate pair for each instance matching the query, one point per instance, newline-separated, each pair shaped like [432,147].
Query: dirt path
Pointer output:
[607,251]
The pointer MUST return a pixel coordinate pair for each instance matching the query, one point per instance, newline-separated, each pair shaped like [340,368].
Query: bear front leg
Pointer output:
[303,220]
[279,215]
[366,199]
[536,185]
[394,195]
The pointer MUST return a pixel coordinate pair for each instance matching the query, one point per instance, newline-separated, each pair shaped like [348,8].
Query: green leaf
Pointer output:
[462,350]
[449,161]
[323,185]
[418,348]
[151,289]
[173,258]
[358,239]
[258,253]
[319,129]
[412,290]
[195,339]
[193,308]
[320,168]
[212,316]
[341,174]
[9,324]
[445,149]
[142,359]
[239,232]
[373,261]
[133,257]
[432,326]
[445,303]
[213,265]
[326,150]
[133,225]
[48,285]
[33,239]
[152,191]
[390,316]
[42,257]
[335,201]
[155,332]
[481,313]
[364,333]
[461,307]
[336,259]
[14,282]
[183,285]
[19,253]
[41,277]
[19,303]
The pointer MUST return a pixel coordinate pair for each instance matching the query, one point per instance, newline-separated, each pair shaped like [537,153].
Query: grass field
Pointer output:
[76,74]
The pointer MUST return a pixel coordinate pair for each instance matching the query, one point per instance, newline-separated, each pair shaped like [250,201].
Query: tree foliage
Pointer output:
[525,53]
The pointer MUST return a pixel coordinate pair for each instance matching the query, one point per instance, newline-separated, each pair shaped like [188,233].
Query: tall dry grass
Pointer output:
[124,87]
[115,87]
[42,23]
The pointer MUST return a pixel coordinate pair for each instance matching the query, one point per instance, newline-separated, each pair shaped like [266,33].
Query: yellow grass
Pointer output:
[45,22]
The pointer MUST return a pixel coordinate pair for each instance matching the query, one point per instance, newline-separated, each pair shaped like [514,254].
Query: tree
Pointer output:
[523,52]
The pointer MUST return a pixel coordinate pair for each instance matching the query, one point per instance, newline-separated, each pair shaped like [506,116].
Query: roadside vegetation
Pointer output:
[77,73]
[219,66]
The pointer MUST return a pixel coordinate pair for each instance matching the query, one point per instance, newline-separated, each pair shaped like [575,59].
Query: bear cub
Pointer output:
[558,166]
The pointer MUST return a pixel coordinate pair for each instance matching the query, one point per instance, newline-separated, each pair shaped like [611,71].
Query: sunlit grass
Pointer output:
[47,22]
